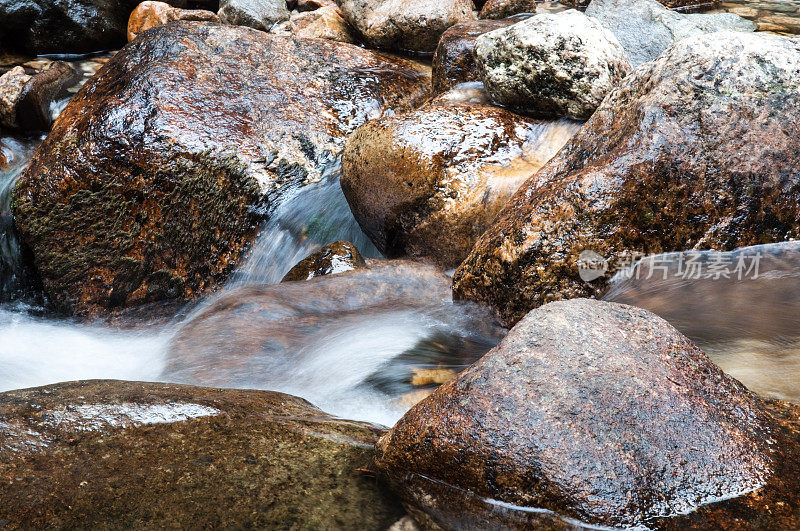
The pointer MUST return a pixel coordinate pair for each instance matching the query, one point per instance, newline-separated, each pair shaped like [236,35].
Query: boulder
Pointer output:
[70,26]
[696,150]
[259,14]
[497,9]
[324,23]
[26,100]
[428,183]
[149,14]
[162,166]
[645,28]
[551,65]
[111,454]
[596,413]
[410,25]
[334,258]
[454,59]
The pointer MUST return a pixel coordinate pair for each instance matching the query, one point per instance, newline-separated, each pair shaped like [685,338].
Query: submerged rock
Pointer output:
[428,183]
[150,14]
[334,258]
[410,25]
[259,14]
[126,454]
[551,65]
[645,28]
[253,335]
[696,150]
[601,413]
[496,9]
[454,59]
[154,178]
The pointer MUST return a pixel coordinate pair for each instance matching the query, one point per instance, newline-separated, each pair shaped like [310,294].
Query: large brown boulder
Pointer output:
[454,59]
[149,14]
[428,183]
[695,150]
[154,178]
[410,25]
[110,454]
[601,413]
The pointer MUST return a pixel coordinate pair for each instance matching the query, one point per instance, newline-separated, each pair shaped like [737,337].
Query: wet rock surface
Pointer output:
[26,99]
[551,65]
[695,151]
[242,337]
[154,178]
[428,183]
[454,59]
[646,29]
[323,23]
[411,25]
[259,14]
[150,14]
[334,258]
[497,9]
[12,83]
[128,454]
[601,413]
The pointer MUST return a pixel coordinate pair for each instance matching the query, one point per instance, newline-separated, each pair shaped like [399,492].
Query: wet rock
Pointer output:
[454,59]
[324,23]
[149,14]
[645,28]
[334,258]
[155,176]
[251,335]
[311,5]
[428,183]
[497,9]
[12,83]
[259,14]
[601,413]
[127,454]
[34,108]
[411,25]
[696,150]
[559,64]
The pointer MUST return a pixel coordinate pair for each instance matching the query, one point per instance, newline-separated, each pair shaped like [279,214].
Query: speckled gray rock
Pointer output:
[595,411]
[410,25]
[258,14]
[12,84]
[551,65]
[645,28]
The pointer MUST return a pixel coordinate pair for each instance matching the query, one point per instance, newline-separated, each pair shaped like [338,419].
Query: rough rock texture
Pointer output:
[495,9]
[12,83]
[410,25]
[559,64]
[334,258]
[428,183]
[149,14]
[602,413]
[34,108]
[110,454]
[259,14]
[454,59]
[645,28]
[155,176]
[246,336]
[697,149]
[69,26]
[324,23]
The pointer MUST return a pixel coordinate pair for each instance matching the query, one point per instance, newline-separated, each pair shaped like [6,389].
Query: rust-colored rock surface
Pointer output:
[601,413]
[152,181]
[454,59]
[150,14]
[497,9]
[334,258]
[110,454]
[428,183]
[696,150]
[323,23]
